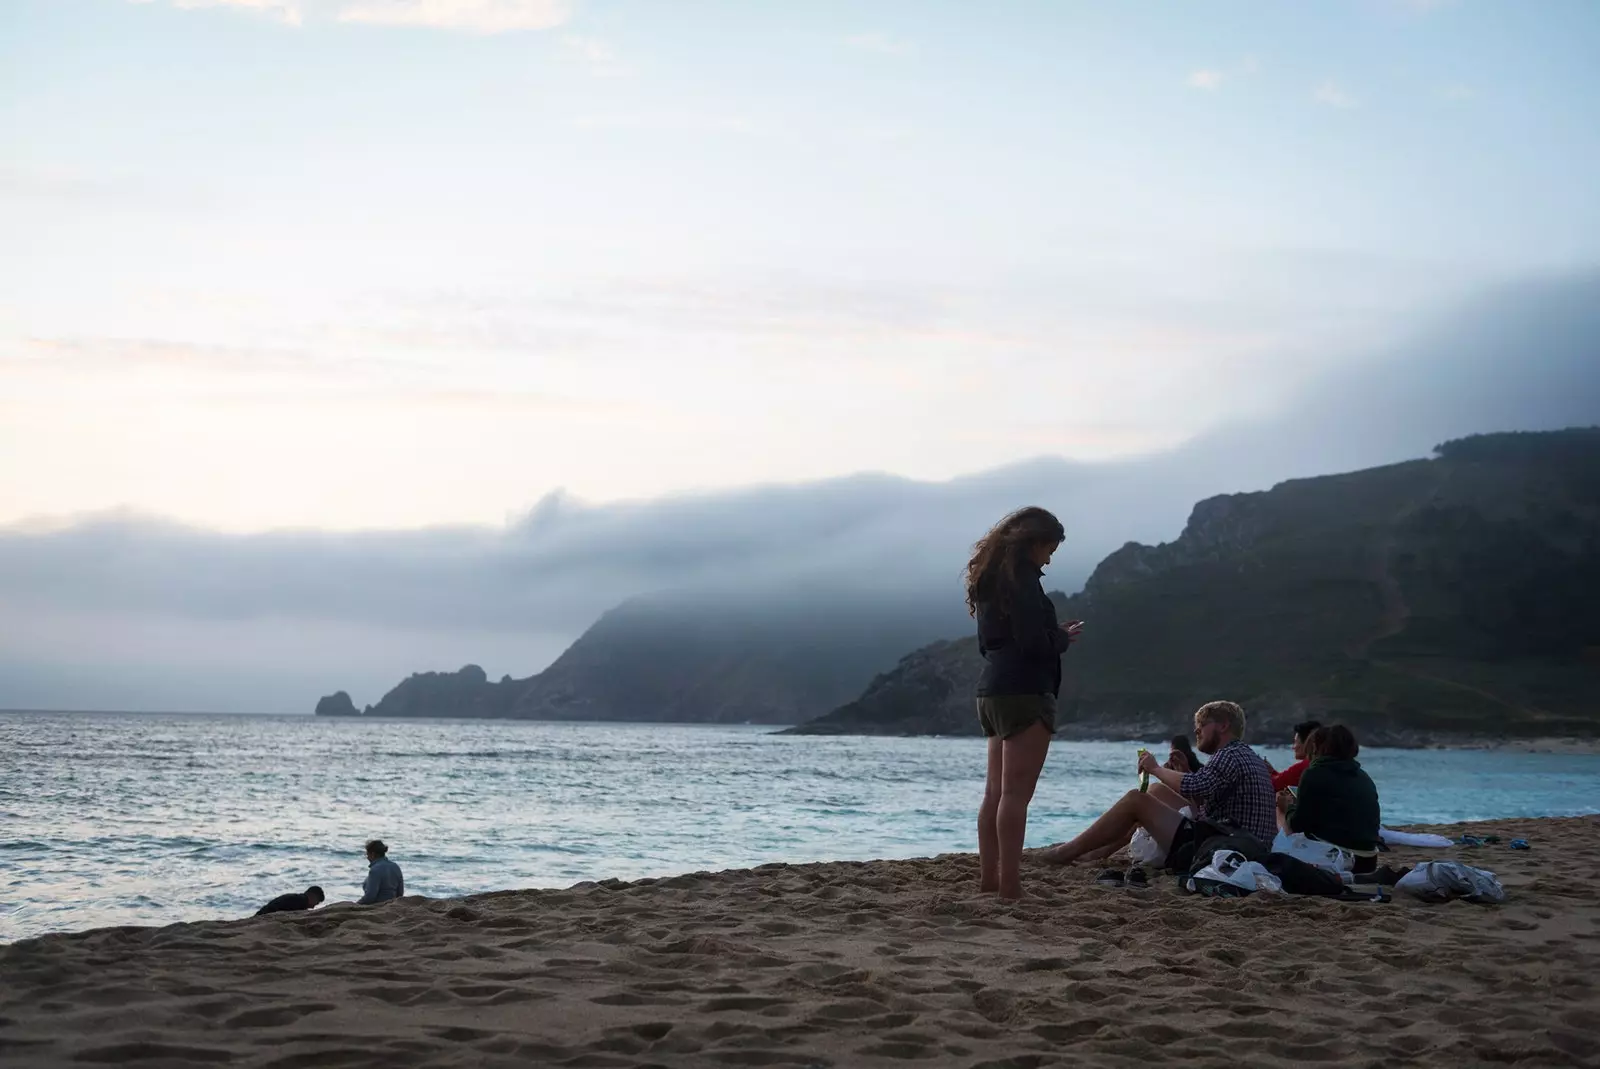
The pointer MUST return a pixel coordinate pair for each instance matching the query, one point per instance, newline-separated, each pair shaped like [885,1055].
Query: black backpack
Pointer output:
[1303,878]
[1252,848]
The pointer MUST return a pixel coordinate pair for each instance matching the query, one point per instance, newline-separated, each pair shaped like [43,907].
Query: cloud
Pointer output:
[472,16]
[668,122]
[286,11]
[467,16]
[601,57]
[1211,79]
[280,617]
[881,43]
[1330,94]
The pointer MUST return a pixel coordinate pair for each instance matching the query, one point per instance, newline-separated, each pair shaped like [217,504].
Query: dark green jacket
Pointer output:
[1338,803]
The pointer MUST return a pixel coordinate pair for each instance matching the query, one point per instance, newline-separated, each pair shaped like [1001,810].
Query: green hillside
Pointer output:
[1426,601]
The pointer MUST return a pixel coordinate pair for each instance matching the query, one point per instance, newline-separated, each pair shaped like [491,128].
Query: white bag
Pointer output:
[1412,838]
[1229,866]
[1314,852]
[1440,881]
[1143,848]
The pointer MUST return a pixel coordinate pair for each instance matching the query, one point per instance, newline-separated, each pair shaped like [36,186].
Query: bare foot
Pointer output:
[1012,894]
[1056,855]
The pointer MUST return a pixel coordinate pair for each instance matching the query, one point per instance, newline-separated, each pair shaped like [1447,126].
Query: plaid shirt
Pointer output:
[1235,788]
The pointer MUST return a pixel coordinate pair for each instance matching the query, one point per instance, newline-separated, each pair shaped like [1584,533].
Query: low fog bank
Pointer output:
[124,611]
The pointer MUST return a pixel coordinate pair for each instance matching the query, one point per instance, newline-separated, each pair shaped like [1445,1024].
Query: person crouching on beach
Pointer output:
[384,879]
[1021,643]
[294,903]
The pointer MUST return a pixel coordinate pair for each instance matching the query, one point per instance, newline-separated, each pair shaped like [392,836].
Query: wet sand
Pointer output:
[847,964]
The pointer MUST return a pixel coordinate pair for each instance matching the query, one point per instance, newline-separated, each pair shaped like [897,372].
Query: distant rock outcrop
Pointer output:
[337,704]
[1435,600]
[463,693]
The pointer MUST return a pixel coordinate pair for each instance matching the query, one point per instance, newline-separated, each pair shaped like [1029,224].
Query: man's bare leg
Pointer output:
[1161,793]
[1166,795]
[988,830]
[1115,826]
[1106,851]
[1021,758]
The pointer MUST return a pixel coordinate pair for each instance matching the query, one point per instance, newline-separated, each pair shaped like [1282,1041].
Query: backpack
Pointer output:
[1221,839]
[1303,878]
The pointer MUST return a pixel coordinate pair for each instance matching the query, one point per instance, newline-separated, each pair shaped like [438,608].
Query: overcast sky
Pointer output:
[306,304]
[377,263]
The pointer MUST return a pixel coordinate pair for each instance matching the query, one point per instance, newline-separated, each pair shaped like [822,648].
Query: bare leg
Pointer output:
[1022,756]
[1106,851]
[1134,809]
[988,833]
[1166,795]
[1161,793]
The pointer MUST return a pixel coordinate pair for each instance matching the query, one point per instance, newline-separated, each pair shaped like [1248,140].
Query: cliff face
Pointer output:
[663,661]
[464,693]
[1429,600]
[779,659]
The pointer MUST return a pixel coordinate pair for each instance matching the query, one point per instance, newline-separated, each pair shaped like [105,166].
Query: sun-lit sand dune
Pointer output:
[846,964]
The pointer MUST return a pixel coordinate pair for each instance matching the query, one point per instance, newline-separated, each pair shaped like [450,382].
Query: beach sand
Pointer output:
[847,964]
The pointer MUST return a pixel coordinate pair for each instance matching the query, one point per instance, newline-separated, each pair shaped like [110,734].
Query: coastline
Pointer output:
[1556,744]
[845,963]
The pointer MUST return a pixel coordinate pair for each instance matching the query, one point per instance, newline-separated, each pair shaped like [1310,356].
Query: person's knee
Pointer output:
[1130,801]
[1016,794]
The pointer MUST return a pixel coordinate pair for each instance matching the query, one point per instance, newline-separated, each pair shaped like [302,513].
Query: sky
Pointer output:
[343,338]
[346,264]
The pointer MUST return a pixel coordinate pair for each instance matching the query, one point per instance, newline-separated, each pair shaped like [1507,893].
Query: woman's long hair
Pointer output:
[996,559]
[1181,744]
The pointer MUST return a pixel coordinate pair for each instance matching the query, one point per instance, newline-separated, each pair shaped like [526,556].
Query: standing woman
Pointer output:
[1022,644]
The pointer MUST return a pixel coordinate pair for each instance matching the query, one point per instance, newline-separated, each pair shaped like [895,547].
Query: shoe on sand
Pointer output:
[1110,878]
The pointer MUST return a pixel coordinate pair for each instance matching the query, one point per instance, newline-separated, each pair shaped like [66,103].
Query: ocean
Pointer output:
[112,819]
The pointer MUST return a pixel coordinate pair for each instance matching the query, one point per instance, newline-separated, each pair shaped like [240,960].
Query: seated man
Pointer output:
[291,903]
[1338,802]
[1290,777]
[385,882]
[1232,794]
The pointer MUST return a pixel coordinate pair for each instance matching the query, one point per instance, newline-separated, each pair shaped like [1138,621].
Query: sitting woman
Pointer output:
[1182,758]
[1338,802]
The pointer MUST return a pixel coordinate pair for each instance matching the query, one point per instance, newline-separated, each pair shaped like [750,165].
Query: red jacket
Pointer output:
[1290,777]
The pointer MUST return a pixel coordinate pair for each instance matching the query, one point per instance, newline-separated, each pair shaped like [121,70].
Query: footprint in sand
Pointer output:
[743,1002]
[276,1016]
[161,1053]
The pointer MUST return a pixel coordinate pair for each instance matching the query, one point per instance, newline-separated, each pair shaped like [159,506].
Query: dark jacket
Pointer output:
[285,904]
[1021,647]
[1337,803]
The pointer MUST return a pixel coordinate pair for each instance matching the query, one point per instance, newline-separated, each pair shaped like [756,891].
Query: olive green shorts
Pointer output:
[1004,715]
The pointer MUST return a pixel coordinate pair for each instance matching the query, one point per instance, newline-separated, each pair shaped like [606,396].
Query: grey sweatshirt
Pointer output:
[384,882]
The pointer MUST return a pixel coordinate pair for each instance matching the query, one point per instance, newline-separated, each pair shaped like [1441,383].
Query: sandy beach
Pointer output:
[846,964]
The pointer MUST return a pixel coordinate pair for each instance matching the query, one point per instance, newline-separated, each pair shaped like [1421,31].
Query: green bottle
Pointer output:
[1144,777]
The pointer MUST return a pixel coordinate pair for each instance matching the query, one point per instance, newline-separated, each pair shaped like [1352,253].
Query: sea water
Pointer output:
[139,819]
